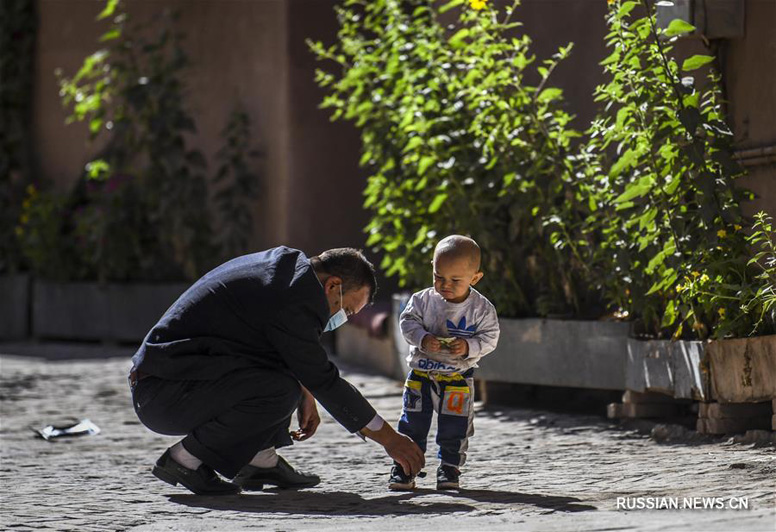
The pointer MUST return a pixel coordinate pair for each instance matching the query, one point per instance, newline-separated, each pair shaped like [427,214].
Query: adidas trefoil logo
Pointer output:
[461,330]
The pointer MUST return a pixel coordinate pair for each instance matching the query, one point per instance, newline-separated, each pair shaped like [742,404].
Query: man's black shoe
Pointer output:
[400,481]
[447,478]
[202,481]
[252,478]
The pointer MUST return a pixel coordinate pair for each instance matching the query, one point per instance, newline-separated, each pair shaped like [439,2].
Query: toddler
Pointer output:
[449,327]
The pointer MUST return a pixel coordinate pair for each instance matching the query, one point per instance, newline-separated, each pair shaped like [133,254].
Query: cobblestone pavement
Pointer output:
[527,470]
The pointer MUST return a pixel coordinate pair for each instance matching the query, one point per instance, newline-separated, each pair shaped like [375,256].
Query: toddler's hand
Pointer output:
[459,347]
[430,344]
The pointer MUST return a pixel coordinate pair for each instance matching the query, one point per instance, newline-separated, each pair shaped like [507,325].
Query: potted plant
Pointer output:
[113,253]
[669,214]
[456,139]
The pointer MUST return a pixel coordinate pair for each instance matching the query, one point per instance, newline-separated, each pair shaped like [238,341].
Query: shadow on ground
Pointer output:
[67,350]
[667,431]
[353,504]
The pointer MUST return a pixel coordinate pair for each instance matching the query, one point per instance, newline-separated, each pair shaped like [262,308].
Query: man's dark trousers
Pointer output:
[227,420]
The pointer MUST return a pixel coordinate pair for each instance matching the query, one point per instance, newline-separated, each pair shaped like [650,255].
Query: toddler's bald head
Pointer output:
[459,248]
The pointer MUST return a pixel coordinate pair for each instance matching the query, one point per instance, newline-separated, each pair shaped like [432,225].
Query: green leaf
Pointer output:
[672,186]
[657,285]
[413,143]
[110,8]
[658,259]
[373,239]
[424,163]
[678,27]
[550,94]
[669,316]
[420,236]
[94,125]
[635,190]
[625,160]
[450,5]
[457,40]
[697,61]
[520,61]
[626,8]
[114,33]
[646,218]
[437,203]
[97,169]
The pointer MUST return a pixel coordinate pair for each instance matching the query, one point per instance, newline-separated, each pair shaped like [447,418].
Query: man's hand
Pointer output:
[307,413]
[430,344]
[459,347]
[399,447]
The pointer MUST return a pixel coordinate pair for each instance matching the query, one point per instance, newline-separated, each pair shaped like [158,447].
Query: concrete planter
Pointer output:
[14,306]
[678,369]
[355,344]
[579,354]
[743,370]
[90,311]
[401,347]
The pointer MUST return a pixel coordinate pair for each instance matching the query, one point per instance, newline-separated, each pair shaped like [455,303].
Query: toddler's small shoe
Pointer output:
[448,477]
[400,481]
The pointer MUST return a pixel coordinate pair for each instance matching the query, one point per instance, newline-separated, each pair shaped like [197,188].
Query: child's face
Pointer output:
[453,277]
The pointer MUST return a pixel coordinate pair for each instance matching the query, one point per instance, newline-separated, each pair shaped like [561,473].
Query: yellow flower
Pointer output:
[31,190]
[704,278]
[478,4]
[721,313]
[722,233]
[737,227]
[680,288]
[696,274]
[19,231]
[610,2]
[24,219]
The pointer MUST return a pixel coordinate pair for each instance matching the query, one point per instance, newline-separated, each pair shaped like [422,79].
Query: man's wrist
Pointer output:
[375,424]
[382,436]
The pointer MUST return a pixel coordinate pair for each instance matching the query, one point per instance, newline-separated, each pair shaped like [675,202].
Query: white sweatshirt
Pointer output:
[474,319]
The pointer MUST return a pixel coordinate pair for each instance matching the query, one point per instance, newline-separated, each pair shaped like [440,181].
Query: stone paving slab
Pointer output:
[527,470]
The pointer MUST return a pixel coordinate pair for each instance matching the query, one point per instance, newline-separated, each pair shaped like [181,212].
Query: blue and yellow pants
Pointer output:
[452,398]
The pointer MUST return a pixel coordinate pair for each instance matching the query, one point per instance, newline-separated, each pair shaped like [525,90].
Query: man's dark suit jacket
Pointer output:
[266,309]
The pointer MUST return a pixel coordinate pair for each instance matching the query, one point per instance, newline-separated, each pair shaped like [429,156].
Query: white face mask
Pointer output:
[339,318]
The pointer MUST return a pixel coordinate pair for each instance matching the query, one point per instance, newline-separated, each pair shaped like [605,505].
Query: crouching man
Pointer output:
[232,359]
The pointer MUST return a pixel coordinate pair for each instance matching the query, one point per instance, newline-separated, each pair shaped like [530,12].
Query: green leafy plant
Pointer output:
[761,304]
[239,185]
[18,31]
[668,209]
[743,302]
[43,235]
[457,140]
[141,210]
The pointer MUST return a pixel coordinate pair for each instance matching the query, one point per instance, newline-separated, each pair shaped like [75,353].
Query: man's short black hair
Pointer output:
[351,266]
